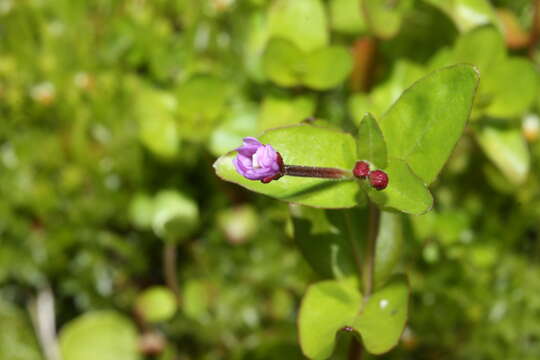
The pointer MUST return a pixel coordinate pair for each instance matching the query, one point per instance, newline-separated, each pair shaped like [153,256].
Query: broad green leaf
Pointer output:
[346,16]
[513,88]
[371,144]
[281,111]
[326,307]
[309,146]
[423,126]
[156,304]
[329,239]
[384,18]
[175,215]
[382,320]
[405,192]
[282,62]
[327,67]
[507,148]
[17,339]
[104,335]
[303,22]
[389,246]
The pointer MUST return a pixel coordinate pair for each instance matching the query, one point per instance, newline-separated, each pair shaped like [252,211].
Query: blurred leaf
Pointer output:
[175,216]
[382,320]
[405,191]
[507,149]
[371,144]
[156,304]
[303,22]
[309,146]
[326,307]
[327,67]
[283,61]
[467,14]
[346,16]
[384,17]
[280,111]
[195,299]
[389,249]
[104,335]
[423,126]
[17,341]
[141,210]
[514,88]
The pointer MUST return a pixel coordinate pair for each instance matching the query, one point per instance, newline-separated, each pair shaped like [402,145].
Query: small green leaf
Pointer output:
[384,18]
[281,111]
[156,304]
[383,318]
[389,246]
[467,14]
[507,148]
[327,67]
[303,22]
[195,299]
[175,216]
[423,126]
[371,144]
[346,16]
[309,146]
[326,307]
[405,191]
[104,335]
[141,210]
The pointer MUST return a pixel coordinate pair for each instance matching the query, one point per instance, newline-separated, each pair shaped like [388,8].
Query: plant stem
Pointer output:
[317,172]
[169,269]
[368,271]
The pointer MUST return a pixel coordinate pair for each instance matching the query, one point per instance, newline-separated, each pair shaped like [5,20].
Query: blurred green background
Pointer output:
[117,240]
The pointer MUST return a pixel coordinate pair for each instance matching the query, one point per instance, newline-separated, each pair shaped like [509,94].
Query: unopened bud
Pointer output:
[378,179]
[361,169]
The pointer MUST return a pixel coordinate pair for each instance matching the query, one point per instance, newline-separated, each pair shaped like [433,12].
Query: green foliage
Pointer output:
[156,304]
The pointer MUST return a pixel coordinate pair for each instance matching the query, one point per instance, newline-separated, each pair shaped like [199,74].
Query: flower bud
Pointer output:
[361,169]
[378,179]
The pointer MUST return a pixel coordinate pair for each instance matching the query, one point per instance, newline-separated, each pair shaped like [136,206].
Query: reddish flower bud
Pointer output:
[378,179]
[361,169]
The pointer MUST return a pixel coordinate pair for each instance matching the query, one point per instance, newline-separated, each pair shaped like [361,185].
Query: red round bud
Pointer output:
[378,179]
[361,169]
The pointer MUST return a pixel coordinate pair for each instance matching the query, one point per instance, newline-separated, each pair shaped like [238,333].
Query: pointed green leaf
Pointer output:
[507,148]
[371,144]
[382,320]
[326,307]
[303,22]
[405,191]
[309,146]
[423,126]
[327,67]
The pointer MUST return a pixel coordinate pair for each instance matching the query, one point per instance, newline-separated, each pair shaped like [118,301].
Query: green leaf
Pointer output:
[389,246]
[327,67]
[156,304]
[325,238]
[346,16]
[326,307]
[282,62]
[175,216]
[309,146]
[17,340]
[371,144]
[104,335]
[141,210]
[467,14]
[405,191]
[195,299]
[384,18]
[303,22]
[383,318]
[513,88]
[507,149]
[423,126]
[281,111]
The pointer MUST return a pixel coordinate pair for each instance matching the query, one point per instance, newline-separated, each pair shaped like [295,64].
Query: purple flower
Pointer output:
[257,161]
